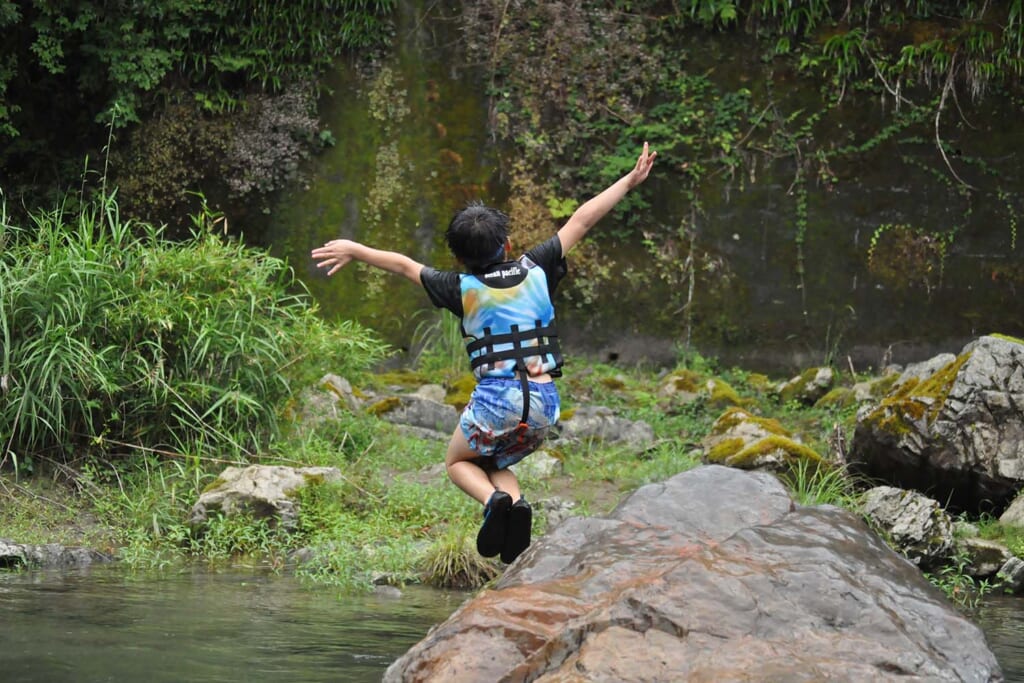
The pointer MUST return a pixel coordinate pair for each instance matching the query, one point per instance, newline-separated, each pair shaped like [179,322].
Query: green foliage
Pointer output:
[70,69]
[114,338]
[715,125]
[953,580]
[226,539]
[906,256]
[120,54]
[1010,535]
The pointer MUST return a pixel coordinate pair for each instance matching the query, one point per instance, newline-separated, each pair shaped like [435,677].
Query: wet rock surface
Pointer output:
[47,556]
[711,575]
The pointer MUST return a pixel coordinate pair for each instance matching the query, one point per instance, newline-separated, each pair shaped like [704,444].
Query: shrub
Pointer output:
[114,337]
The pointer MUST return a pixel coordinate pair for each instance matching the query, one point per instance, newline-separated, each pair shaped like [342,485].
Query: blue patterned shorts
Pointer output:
[491,418]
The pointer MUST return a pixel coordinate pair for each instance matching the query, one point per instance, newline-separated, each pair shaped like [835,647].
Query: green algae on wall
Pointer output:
[410,135]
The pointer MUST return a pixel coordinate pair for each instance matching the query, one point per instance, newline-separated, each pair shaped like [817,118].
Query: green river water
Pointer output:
[106,624]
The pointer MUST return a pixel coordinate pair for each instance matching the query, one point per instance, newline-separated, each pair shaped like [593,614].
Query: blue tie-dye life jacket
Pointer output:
[508,321]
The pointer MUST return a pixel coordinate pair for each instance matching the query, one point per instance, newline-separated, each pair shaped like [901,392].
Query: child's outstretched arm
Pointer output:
[594,209]
[336,253]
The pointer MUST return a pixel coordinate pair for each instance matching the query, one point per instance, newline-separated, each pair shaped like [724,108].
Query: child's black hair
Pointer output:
[476,235]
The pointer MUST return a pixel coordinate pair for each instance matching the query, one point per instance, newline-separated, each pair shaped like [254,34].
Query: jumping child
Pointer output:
[508,323]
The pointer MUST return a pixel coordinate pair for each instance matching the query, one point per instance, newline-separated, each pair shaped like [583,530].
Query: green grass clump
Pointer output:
[817,483]
[1009,535]
[453,562]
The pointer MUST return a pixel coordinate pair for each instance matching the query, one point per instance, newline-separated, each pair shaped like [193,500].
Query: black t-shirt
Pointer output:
[445,291]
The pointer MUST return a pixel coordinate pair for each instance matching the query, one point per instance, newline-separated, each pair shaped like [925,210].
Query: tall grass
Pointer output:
[114,338]
[440,348]
[822,484]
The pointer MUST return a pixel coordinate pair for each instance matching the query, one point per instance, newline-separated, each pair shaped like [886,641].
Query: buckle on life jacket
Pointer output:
[520,432]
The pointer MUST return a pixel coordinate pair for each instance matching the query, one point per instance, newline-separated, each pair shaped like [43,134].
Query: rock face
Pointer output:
[956,434]
[713,575]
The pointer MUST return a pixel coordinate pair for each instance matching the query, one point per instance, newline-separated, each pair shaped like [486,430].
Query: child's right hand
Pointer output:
[335,254]
[642,168]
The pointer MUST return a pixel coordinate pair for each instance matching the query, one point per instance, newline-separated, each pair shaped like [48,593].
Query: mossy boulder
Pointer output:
[681,385]
[807,387]
[956,432]
[746,441]
[459,390]
[417,412]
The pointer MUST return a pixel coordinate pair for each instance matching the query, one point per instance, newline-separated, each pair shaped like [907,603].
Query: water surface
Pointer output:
[1002,619]
[106,624]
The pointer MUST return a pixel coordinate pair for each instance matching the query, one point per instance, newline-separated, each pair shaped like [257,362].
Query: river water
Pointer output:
[106,624]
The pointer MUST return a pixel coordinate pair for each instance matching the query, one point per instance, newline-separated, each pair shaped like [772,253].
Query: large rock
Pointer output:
[956,434]
[918,526]
[417,412]
[263,491]
[47,556]
[713,575]
[601,423]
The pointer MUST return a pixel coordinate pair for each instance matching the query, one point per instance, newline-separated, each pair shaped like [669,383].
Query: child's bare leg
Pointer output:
[506,481]
[465,473]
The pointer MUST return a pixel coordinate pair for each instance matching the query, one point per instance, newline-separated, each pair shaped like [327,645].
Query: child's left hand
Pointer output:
[643,167]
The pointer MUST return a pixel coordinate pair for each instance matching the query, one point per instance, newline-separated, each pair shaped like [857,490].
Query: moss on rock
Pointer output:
[839,397]
[384,405]
[681,381]
[1006,337]
[460,390]
[781,447]
[797,389]
[725,449]
[721,394]
[403,378]
[915,401]
[735,416]
[762,384]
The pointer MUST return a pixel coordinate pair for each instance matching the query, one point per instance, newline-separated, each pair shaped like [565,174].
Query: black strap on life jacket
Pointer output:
[547,343]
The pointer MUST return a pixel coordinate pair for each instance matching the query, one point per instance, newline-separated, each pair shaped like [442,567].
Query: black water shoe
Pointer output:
[491,538]
[520,523]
